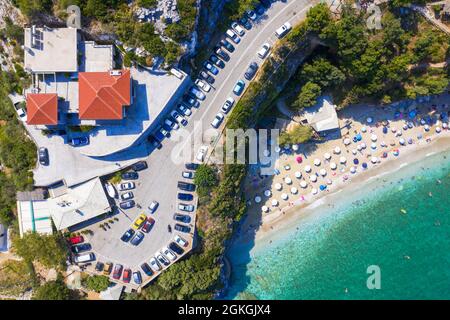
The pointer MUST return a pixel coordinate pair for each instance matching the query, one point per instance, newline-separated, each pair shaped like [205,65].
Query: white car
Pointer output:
[179,240]
[203,85]
[197,93]
[262,53]
[238,29]
[217,120]
[153,206]
[178,118]
[227,105]
[283,30]
[154,265]
[126,186]
[184,110]
[172,124]
[233,36]
[127,195]
[22,114]
[111,190]
[188,174]
[202,153]
[169,254]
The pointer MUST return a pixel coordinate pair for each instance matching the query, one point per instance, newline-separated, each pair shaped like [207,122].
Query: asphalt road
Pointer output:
[159,181]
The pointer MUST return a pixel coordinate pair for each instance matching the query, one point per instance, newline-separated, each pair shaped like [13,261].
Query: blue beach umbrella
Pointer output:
[385,130]
[358,137]
[322,187]
[355,161]
[364,165]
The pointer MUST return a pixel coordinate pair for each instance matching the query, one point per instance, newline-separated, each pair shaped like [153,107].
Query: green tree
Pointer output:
[300,134]
[205,179]
[319,20]
[28,7]
[323,73]
[96,283]
[52,290]
[308,95]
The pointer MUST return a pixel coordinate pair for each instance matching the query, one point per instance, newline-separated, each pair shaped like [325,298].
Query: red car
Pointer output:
[126,275]
[148,224]
[76,240]
[117,271]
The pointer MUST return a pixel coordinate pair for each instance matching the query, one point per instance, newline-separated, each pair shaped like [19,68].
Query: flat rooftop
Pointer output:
[34,216]
[95,57]
[52,50]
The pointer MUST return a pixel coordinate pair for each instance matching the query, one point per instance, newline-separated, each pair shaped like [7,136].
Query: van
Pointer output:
[88,257]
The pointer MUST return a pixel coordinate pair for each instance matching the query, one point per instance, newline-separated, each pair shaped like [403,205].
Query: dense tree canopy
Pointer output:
[52,290]
[300,134]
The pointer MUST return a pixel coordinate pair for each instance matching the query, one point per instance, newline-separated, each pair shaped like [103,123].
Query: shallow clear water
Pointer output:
[326,257]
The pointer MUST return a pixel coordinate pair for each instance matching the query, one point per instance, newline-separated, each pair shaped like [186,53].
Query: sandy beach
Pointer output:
[376,141]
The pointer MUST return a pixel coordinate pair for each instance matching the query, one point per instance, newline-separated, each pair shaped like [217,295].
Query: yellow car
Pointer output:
[139,221]
[107,269]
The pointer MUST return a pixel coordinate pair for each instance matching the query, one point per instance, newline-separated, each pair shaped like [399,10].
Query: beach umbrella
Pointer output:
[385,154]
[333,166]
[422,121]
[363,145]
[257,199]
[287,146]
[374,137]
[347,141]
[323,172]
[317,162]
[299,159]
[369,120]
[427,127]
[298,174]
[385,130]
[410,125]
[314,191]
[410,141]
[295,147]
[337,150]
[265,208]
[288,180]
[438,129]
[345,177]
[352,169]
[358,137]
[327,156]
[284,196]
[287,167]
[444,125]
[278,186]
[383,144]
[277,149]
[405,127]
[402,141]
[363,129]
[364,165]
[354,151]
[374,160]
[393,129]
[398,133]
[419,136]
[308,168]
[303,184]
[355,161]
[396,152]
[329,181]
[359,147]
[392,143]
[267,193]
[274,202]
[294,190]
[373,145]
[322,187]
[342,160]
[266,153]
[313,178]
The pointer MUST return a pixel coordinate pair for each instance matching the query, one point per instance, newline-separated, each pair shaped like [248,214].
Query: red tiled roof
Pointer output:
[42,109]
[102,95]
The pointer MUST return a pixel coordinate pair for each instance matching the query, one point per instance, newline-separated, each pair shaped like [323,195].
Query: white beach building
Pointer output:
[321,117]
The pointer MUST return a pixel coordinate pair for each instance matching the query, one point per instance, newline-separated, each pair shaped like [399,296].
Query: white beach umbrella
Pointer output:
[354,151]
[265,208]
[374,160]
[352,169]
[337,150]
[394,129]
[444,125]
[342,160]
[374,137]
[294,190]
[373,145]
[278,186]
[303,184]
[298,174]
[327,156]
[323,172]
[284,196]
[405,127]
[369,120]
[363,145]
[398,133]
[363,129]
[317,162]
[295,147]
[277,149]
[402,141]
[274,202]
[383,144]
[359,147]
[347,141]
[333,166]
[308,168]
[422,121]
[313,178]
[314,191]
[329,181]
[257,199]
[287,167]
[288,180]
[267,193]
[438,129]
[426,127]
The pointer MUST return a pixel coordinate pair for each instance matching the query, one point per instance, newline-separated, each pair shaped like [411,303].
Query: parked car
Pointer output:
[252,15]
[182,218]
[237,29]
[185,196]
[99,266]
[188,174]
[78,142]
[262,53]
[197,93]
[127,235]
[266,3]
[239,87]
[222,54]
[147,270]
[163,131]
[127,204]
[84,258]
[81,248]
[112,192]
[176,248]
[207,77]
[202,153]
[154,264]
[217,120]
[117,272]
[182,228]
[137,239]
[139,221]
[169,254]
[126,275]
[245,22]
[159,136]
[130,175]
[153,206]
[76,240]
[227,105]
[192,166]
[108,268]
[137,278]
[251,71]
[186,186]
[184,110]
[283,30]
[178,118]
[191,102]
[154,142]
[233,36]
[22,114]
[203,85]
[43,156]
[227,45]
[139,166]
[208,66]
[162,260]
[260,10]
[186,207]
[214,59]
[148,224]
[180,241]
[126,186]
[127,195]
[172,124]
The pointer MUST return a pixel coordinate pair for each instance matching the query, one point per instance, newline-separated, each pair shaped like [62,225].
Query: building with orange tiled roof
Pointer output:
[42,109]
[103,95]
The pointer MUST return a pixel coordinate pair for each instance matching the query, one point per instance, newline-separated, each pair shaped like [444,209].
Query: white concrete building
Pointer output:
[321,117]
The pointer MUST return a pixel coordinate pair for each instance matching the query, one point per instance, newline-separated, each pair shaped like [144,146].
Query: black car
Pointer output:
[192,166]
[182,218]
[176,248]
[207,77]
[43,156]
[213,58]
[182,228]
[127,204]
[131,175]
[186,186]
[266,3]
[251,71]
[260,10]
[137,239]
[185,196]
[245,23]
[154,142]
[147,270]
[227,45]
[190,101]
[127,235]
[99,266]
[138,166]
[81,248]
[222,54]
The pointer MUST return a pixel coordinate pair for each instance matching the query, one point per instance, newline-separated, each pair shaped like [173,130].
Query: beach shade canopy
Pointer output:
[265,208]
[337,150]
[363,145]
[294,190]
[364,165]
[329,181]
[405,127]
[383,144]
[419,136]
[412,113]
[352,169]
[298,174]
[317,162]
[402,141]
[355,161]
[274,202]
[396,152]
[374,160]
[295,147]
[345,177]
[287,167]
[410,141]
[342,160]
[288,180]
[277,149]
[426,127]
[333,166]
[354,151]
[308,168]
[394,129]
[257,199]
[278,186]
[314,191]
[358,137]
[266,153]
[322,187]
[267,193]
[444,125]
[438,129]
[287,146]
[373,145]
[385,154]
[347,141]
[284,196]
[373,137]
[327,156]
[369,120]
[422,121]
[303,184]
[399,133]
[363,129]
[299,159]
[323,172]
[359,147]
[385,130]
[313,178]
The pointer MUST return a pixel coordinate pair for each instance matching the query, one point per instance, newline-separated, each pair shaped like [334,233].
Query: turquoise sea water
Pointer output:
[326,257]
